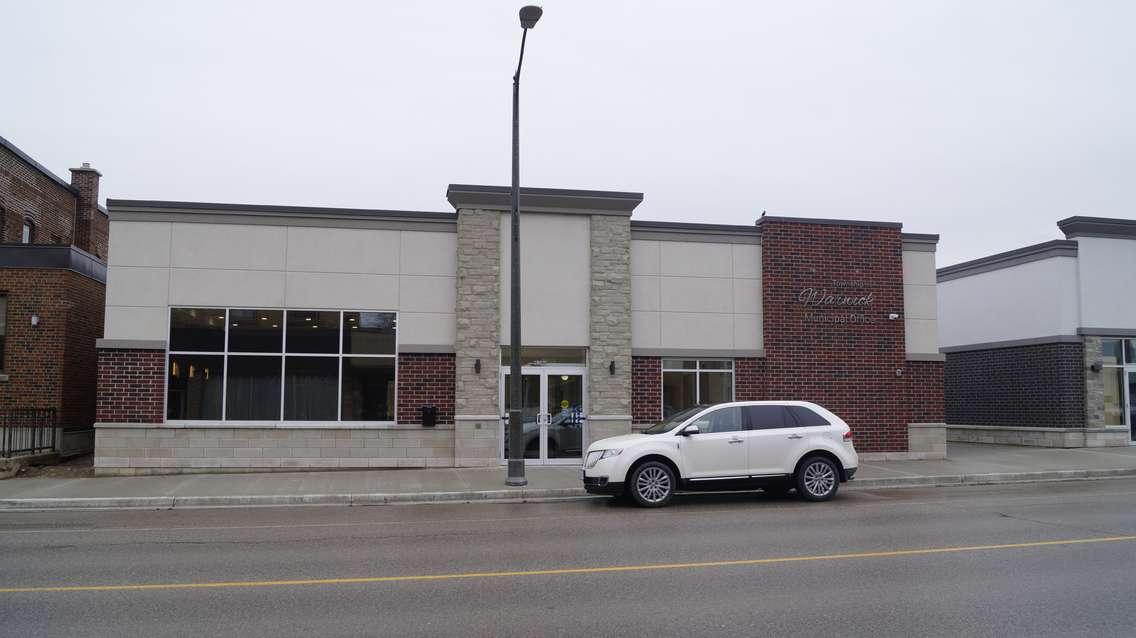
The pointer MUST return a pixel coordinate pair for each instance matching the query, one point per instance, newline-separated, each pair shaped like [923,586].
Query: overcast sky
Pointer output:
[985,122]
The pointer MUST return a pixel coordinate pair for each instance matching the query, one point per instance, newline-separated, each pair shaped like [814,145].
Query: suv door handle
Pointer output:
[736,440]
[796,436]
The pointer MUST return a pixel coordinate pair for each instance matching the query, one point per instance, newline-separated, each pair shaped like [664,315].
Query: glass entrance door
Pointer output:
[1132,406]
[564,425]
[530,413]
[553,412]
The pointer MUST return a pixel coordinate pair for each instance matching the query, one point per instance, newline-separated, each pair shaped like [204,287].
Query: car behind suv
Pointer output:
[774,445]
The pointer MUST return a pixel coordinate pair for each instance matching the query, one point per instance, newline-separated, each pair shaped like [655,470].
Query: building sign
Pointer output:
[841,302]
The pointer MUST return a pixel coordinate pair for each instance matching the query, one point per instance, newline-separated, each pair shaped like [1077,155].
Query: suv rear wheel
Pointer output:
[818,479]
[652,484]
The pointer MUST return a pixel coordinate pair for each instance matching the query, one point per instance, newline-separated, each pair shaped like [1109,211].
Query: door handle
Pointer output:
[736,440]
[796,436]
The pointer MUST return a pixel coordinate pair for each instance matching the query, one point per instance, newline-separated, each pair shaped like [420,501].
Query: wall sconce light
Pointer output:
[611,367]
[1096,366]
[893,316]
[477,366]
[35,320]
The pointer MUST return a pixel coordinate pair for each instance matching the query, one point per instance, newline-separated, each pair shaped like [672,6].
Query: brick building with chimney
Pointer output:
[53,246]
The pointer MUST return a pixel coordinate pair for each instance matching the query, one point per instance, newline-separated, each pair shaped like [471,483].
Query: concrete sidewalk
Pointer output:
[966,464]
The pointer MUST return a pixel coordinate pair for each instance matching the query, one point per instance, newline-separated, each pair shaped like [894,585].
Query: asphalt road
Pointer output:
[994,561]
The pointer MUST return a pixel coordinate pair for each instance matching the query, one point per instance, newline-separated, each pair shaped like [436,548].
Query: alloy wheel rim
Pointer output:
[820,478]
[653,484]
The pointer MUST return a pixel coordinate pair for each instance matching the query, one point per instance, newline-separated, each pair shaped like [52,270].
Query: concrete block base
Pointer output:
[1108,436]
[135,449]
[602,427]
[927,440]
[477,441]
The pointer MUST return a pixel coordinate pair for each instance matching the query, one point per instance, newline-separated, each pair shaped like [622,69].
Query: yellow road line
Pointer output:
[564,571]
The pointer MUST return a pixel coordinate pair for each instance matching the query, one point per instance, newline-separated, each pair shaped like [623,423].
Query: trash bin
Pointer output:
[429,416]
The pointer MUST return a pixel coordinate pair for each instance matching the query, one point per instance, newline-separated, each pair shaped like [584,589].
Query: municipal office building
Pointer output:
[243,337]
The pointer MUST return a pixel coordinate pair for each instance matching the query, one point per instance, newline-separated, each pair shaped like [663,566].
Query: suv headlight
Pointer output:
[599,455]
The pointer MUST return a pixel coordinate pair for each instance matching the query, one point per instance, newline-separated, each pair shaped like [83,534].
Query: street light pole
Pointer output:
[516,471]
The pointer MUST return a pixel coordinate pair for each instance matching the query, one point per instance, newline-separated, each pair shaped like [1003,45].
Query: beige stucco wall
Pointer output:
[920,303]
[154,265]
[695,295]
[1101,262]
[555,279]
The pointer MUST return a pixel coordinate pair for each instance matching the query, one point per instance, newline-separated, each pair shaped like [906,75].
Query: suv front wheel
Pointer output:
[818,479]
[652,484]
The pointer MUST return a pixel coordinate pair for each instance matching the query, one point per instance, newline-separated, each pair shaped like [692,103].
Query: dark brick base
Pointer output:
[425,378]
[1028,386]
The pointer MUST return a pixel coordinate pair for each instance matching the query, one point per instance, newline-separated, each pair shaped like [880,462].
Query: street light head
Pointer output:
[529,15]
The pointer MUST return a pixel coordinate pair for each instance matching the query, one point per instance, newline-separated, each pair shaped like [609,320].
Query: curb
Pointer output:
[509,495]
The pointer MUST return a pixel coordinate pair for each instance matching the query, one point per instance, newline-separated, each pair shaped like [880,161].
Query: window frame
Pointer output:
[283,355]
[697,371]
[27,228]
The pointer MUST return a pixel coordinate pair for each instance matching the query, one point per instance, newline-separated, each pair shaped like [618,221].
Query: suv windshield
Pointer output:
[678,417]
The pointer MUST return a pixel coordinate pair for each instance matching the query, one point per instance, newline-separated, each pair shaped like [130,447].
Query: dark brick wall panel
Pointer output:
[425,378]
[925,392]
[131,386]
[1028,386]
[646,389]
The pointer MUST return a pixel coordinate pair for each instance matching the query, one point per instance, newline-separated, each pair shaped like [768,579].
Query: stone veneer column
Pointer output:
[609,332]
[476,419]
[1094,384]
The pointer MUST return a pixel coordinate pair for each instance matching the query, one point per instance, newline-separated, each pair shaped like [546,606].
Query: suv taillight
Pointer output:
[848,435]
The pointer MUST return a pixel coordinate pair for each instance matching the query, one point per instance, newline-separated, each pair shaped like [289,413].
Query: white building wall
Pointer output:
[1034,299]
[555,279]
[695,295]
[155,265]
[1107,268]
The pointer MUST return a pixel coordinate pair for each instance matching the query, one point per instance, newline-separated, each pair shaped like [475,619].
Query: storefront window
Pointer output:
[690,382]
[1115,355]
[248,364]
[1112,352]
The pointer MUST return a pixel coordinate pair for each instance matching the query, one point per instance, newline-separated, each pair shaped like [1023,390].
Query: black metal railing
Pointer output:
[24,432]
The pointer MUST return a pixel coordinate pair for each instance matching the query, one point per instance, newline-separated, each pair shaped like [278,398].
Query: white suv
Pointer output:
[774,445]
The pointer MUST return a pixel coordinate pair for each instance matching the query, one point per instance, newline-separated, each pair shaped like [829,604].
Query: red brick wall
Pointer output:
[425,379]
[25,189]
[80,372]
[646,389]
[92,226]
[748,380]
[131,386]
[817,353]
[52,364]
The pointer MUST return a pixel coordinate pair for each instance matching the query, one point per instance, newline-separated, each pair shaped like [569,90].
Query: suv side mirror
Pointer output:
[689,430]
